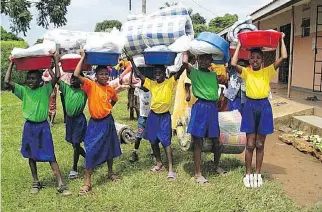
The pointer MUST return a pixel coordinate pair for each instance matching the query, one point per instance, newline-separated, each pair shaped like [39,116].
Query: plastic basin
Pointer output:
[69,64]
[159,58]
[102,58]
[260,39]
[243,54]
[32,63]
[218,42]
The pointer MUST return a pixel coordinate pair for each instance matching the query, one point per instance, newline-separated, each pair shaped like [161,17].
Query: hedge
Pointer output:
[6,48]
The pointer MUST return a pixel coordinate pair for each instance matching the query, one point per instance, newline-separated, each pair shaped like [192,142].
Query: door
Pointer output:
[284,68]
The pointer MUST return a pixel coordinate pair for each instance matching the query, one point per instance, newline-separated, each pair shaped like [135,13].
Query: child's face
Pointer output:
[75,82]
[102,76]
[204,61]
[159,75]
[33,80]
[256,60]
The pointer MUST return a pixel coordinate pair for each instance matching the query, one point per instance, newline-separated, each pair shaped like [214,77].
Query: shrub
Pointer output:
[6,48]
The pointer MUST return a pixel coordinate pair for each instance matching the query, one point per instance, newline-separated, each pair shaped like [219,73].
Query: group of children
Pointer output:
[154,124]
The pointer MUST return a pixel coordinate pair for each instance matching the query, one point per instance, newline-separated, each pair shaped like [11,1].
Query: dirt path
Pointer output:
[299,174]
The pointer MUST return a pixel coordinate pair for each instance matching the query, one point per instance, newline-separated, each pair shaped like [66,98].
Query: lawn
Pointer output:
[139,190]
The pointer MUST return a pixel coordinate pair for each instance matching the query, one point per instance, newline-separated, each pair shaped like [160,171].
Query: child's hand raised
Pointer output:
[283,35]
[82,52]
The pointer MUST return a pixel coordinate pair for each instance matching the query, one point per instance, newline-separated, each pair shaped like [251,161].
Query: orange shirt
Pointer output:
[99,98]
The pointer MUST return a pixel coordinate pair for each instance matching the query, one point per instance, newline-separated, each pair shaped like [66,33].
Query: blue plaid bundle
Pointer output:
[160,28]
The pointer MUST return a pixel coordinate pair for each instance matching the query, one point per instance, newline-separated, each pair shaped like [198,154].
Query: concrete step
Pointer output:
[310,124]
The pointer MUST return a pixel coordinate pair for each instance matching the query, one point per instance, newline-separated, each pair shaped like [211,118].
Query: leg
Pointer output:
[135,156]
[33,169]
[78,150]
[88,182]
[157,155]
[111,174]
[259,152]
[250,146]
[168,150]
[197,160]
[217,148]
[137,143]
[132,113]
[61,187]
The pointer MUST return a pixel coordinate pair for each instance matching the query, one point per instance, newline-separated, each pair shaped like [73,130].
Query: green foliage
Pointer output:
[50,11]
[6,36]
[39,40]
[221,22]
[6,48]
[198,19]
[107,25]
[199,28]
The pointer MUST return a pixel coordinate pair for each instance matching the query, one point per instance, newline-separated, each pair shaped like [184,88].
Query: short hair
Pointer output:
[37,72]
[162,67]
[257,50]
[100,67]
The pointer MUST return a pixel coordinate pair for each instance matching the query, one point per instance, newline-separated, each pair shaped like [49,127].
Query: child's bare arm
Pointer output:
[7,78]
[280,60]
[55,76]
[234,60]
[78,68]
[178,74]
[185,62]
[136,71]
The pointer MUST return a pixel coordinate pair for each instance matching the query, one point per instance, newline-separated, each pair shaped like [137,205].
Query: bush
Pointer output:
[6,48]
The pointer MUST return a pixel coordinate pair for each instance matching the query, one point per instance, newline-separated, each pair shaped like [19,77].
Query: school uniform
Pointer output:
[37,142]
[101,141]
[158,126]
[76,124]
[145,102]
[204,114]
[257,115]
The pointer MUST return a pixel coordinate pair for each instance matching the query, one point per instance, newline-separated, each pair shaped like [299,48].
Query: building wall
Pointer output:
[303,66]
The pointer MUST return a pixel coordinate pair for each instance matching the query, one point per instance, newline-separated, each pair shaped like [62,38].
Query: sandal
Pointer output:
[84,190]
[64,190]
[171,176]
[72,175]
[113,177]
[36,186]
[201,180]
[158,168]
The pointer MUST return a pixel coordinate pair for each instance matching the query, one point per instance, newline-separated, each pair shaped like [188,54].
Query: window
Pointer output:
[305,27]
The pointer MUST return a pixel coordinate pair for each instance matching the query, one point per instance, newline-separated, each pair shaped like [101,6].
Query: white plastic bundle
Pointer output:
[41,49]
[202,47]
[105,41]
[71,56]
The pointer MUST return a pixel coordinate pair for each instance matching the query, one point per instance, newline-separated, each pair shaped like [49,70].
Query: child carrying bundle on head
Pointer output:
[101,141]
[257,115]
[158,124]
[37,143]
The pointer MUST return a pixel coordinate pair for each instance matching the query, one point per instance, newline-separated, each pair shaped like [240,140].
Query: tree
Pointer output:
[107,25]
[198,19]
[221,22]
[49,12]
[39,40]
[199,28]
[8,36]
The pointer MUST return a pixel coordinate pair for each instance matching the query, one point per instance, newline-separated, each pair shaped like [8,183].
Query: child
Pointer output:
[236,89]
[158,125]
[145,102]
[257,116]
[101,141]
[204,113]
[37,143]
[75,101]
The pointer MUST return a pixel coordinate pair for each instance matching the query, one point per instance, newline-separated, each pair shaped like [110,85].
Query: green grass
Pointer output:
[139,190]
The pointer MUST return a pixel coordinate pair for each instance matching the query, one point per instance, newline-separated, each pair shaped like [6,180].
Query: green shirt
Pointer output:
[75,99]
[35,102]
[204,84]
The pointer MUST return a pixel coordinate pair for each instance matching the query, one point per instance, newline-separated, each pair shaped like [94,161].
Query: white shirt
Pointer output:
[145,102]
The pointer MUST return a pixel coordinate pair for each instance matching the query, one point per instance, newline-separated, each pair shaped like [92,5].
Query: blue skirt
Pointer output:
[37,142]
[141,127]
[257,117]
[75,129]
[204,120]
[101,142]
[235,105]
[158,128]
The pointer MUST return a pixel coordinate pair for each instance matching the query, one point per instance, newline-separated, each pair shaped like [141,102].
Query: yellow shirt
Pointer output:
[257,82]
[161,94]
[219,69]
